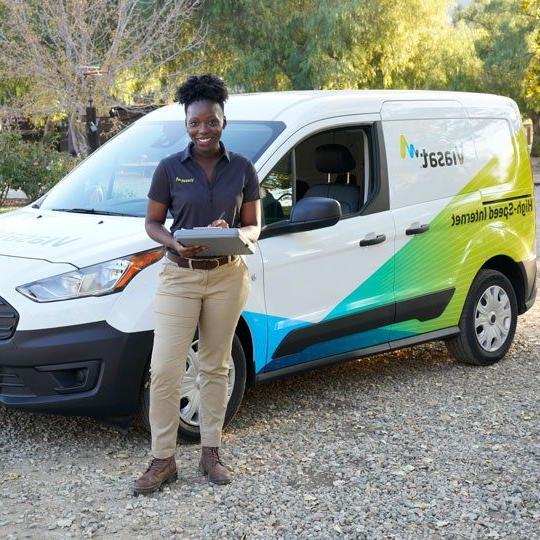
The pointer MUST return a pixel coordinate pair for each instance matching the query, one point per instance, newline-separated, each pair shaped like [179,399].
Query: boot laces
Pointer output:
[156,465]
[215,455]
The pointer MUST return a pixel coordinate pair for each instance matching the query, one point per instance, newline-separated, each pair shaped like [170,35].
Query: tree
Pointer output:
[502,31]
[72,51]
[301,44]
[531,81]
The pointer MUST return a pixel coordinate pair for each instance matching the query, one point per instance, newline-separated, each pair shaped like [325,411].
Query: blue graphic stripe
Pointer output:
[268,331]
[331,348]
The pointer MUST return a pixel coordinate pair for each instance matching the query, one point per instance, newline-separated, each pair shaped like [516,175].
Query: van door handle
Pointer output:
[417,228]
[371,239]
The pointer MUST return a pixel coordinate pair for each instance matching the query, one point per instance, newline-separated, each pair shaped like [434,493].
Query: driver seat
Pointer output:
[336,159]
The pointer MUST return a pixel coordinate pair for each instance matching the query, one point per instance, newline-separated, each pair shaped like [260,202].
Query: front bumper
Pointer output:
[89,370]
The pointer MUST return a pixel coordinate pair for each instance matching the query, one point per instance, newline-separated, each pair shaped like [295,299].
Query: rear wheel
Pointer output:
[188,428]
[488,322]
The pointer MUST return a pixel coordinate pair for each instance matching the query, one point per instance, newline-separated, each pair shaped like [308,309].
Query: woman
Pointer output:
[204,185]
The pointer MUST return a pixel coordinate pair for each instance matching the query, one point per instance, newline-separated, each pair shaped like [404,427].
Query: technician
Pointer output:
[204,185]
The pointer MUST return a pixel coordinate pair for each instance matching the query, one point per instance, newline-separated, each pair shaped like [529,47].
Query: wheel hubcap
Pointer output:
[191,387]
[493,318]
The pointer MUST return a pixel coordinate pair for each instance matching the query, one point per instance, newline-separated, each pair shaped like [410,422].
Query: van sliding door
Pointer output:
[431,160]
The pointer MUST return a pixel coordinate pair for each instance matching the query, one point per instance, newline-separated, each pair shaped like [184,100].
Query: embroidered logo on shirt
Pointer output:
[185,180]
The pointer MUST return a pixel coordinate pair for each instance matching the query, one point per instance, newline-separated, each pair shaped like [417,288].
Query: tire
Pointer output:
[188,428]
[488,322]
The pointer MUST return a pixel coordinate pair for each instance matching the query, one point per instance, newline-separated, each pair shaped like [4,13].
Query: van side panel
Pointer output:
[432,272]
[493,214]
[478,206]
[430,160]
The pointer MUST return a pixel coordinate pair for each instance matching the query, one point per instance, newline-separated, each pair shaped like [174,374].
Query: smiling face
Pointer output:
[205,122]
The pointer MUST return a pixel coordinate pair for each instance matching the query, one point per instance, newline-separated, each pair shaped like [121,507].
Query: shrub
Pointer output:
[33,167]
[9,145]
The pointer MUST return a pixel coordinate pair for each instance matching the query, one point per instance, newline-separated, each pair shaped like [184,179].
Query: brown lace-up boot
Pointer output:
[159,472]
[211,465]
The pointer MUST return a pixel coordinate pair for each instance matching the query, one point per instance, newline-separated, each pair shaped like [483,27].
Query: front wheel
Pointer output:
[189,428]
[488,322]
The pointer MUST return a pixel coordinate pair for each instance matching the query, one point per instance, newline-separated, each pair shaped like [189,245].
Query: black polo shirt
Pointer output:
[181,183]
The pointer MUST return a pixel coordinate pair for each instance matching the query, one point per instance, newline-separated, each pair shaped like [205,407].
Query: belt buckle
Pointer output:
[205,264]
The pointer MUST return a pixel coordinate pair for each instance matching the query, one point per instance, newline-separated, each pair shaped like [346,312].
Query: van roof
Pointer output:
[294,106]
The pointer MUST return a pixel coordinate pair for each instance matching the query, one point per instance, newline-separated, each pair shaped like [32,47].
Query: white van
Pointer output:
[433,238]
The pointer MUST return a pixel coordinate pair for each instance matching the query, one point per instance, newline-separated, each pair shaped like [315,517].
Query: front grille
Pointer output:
[8,319]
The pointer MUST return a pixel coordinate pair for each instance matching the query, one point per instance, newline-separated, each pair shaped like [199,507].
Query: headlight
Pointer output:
[96,280]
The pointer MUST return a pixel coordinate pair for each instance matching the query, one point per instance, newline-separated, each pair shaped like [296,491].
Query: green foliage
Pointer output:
[259,45]
[9,143]
[531,81]
[502,31]
[11,89]
[33,167]
[305,44]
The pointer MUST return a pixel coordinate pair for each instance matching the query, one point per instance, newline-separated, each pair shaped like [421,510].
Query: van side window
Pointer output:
[277,191]
[333,164]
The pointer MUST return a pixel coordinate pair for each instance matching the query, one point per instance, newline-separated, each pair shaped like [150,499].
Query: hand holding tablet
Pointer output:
[218,241]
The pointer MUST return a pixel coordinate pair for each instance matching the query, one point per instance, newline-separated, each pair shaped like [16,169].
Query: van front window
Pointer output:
[115,179]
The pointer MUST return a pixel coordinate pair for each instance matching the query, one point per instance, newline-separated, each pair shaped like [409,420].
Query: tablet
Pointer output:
[218,241]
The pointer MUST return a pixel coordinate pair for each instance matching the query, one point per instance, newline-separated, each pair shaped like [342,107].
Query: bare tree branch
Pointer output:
[76,50]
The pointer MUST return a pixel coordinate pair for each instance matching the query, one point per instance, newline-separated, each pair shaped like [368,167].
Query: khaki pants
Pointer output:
[213,300]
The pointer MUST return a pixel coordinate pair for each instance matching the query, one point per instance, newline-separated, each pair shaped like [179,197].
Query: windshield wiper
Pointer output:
[92,211]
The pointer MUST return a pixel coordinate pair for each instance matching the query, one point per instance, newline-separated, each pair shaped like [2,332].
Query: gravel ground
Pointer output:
[402,445]
[406,445]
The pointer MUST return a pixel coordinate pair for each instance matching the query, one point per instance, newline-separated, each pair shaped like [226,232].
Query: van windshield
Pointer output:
[115,179]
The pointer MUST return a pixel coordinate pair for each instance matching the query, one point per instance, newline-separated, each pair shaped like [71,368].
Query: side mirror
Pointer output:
[307,214]
[317,212]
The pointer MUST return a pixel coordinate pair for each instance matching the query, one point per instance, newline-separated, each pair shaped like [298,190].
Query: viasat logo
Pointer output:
[440,158]
[406,148]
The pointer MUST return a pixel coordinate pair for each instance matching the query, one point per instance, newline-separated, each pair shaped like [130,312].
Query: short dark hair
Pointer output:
[204,87]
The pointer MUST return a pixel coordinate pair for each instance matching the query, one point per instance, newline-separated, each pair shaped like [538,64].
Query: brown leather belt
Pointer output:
[200,264]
